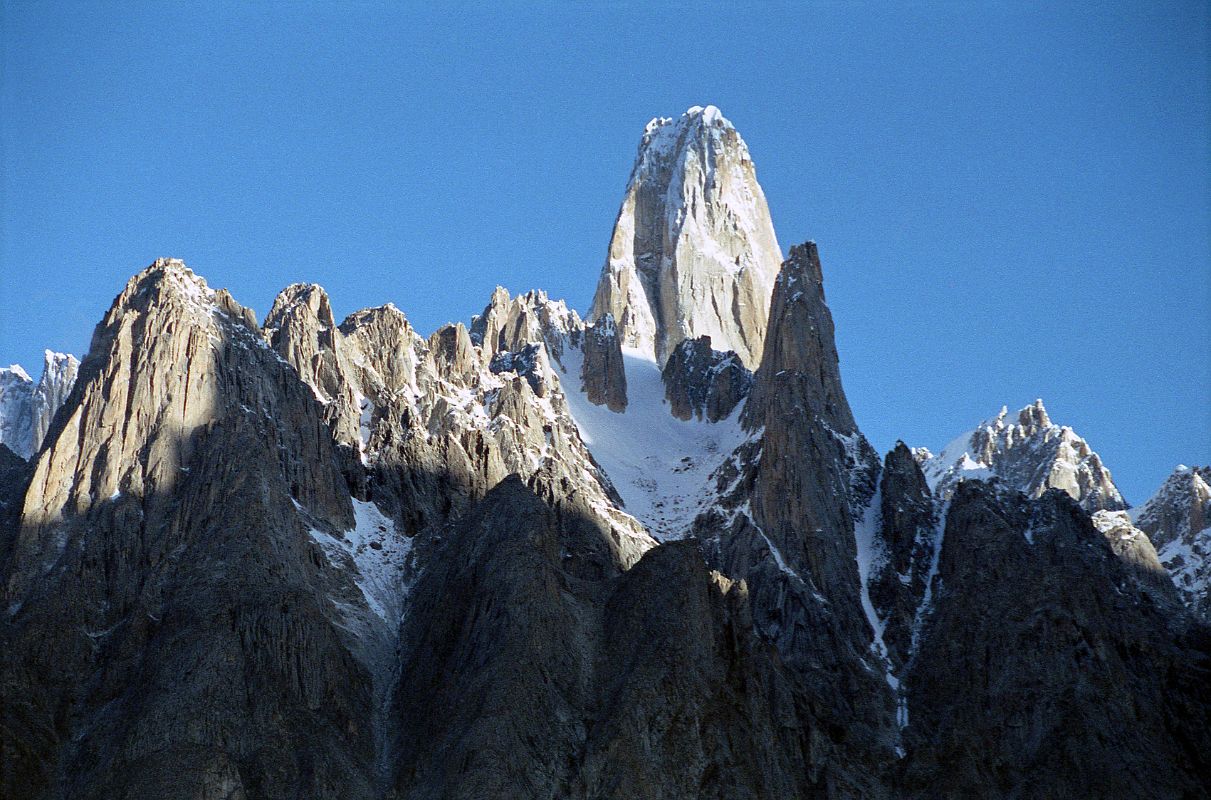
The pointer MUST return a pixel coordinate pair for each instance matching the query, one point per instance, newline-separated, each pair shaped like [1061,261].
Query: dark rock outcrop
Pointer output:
[701,382]
[907,538]
[536,667]
[603,375]
[1044,671]
[784,523]
[167,630]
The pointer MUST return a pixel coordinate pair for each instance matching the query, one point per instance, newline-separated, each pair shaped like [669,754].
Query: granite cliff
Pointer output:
[645,554]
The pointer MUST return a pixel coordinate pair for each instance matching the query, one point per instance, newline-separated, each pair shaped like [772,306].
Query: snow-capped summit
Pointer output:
[16,419]
[693,251]
[1178,521]
[1032,455]
[26,408]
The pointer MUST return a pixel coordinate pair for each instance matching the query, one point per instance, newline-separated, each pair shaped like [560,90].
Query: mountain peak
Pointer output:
[693,251]
[1032,456]
[308,298]
[18,371]
[26,407]
[708,113]
[800,354]
[1034,416]
[166,278]
[1178,520]
[661,132]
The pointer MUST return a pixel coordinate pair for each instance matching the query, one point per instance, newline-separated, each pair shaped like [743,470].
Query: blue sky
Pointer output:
[1011,200]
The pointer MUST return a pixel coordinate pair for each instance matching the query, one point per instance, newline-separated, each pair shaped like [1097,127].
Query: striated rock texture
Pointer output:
[1178,520]
[1043,671]
[27,408]
[785,524]
[702,382]
[906,546]
[509,323]
[301,328]
[693,251]
[1033,455]
[536,667]
[603,376]
[155,644]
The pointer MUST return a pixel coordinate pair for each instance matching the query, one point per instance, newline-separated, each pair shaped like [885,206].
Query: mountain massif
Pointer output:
[644,554]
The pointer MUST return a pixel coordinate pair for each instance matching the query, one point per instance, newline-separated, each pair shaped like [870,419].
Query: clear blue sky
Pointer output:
[1011,200]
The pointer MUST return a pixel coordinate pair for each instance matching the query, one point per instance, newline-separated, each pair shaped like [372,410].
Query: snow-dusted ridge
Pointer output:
[27,408]
[1177,518]
[1031,455]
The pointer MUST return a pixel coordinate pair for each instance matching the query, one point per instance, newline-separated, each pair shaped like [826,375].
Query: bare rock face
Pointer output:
[789,500]
[167,628]
[301,328]
[27,408]
[900,573]
[1033,455]
[693,251]
[453,351]
[384,350]
[702,382]
[1134,548]
[1177,519]
[509,323]
[603,377]
[445,420]
[535,666]
[1043,665]
[800,356]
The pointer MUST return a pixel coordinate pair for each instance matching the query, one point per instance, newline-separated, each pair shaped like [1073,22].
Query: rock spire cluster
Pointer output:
[646,554]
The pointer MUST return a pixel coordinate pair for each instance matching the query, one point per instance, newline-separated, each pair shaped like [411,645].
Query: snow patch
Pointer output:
[659,465]
[380,555]
[870,556]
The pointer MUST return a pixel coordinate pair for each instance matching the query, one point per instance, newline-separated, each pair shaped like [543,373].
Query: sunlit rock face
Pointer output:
[1032,455]
[693,251]
[1178,521]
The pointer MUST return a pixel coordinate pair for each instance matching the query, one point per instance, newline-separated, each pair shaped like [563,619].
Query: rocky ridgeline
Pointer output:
[1033,455]
[27,408]
[544,557]
[1178,520]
